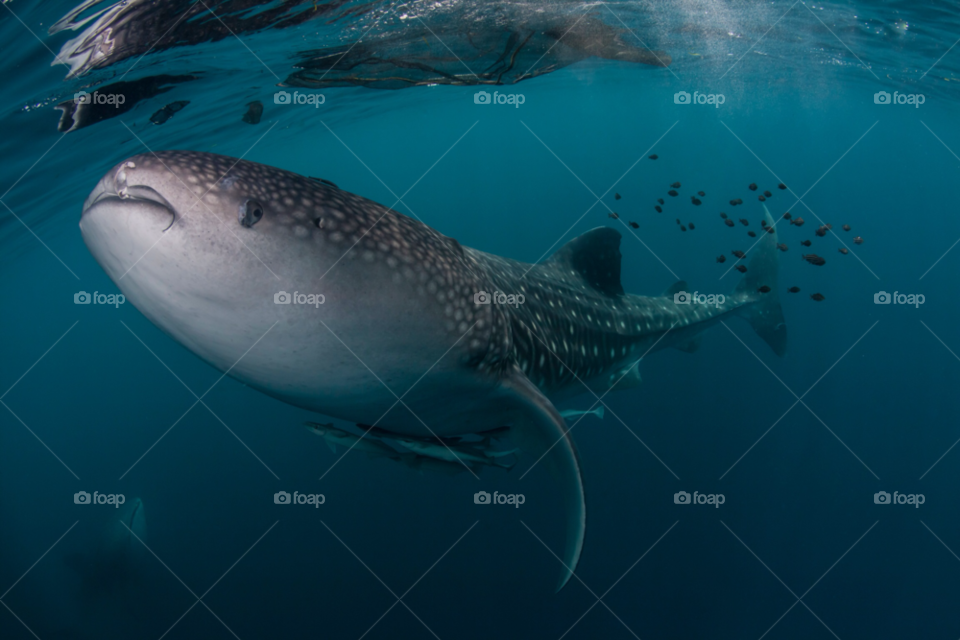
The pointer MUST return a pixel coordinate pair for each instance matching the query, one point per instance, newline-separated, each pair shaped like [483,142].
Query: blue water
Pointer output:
[96,398]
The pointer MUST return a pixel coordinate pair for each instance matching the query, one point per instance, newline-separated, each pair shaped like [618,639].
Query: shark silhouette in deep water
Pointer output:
[193,240]
[115,559]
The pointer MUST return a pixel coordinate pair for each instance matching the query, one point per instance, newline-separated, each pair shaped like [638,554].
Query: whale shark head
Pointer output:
[219,252]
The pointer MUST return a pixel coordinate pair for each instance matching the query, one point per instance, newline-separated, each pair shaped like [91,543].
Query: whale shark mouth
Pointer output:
[136,194]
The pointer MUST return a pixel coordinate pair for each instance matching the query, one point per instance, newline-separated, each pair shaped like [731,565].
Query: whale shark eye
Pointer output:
[250,213]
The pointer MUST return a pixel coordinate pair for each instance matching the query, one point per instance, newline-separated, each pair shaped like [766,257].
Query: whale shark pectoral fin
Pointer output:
[539,430]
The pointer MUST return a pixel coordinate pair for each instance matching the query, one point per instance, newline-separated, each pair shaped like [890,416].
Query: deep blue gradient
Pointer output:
[878,382]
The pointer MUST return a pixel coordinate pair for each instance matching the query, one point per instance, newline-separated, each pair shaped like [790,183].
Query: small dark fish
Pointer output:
[723,215]
[781,186]
[660,200]
[733,203]
[657,207]
[858,240]
[728,222]
[763,289]
[818,297]
[768,194]
[701,193]
[739,200]
[806,243]
[721,258]
[653,157]
[783,247]
[672,193]
[797,221]
[675,185]
[763,223]
[771,229]
[695,200]
[828,226]
[741,268]
[794,289]
[787,216]
[843,250]
[615,216]
[616,196]
[739,254]
[846,227]
[753,186]
[751,234]
[165,114]
[634,225]
[678,220]
[814,259]
[690,224]
[822,231]
[254,111]
[744,222]
[761,199]
[683,227]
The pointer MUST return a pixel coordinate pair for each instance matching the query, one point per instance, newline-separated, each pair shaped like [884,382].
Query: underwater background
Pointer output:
[802,448]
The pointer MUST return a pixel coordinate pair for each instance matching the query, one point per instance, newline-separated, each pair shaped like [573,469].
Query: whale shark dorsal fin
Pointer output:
[676,287]
[595,256]
[538,429]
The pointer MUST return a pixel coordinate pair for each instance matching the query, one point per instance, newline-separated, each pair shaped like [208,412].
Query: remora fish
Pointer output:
[197,242]
[462,454]
[574,413]
[336,436]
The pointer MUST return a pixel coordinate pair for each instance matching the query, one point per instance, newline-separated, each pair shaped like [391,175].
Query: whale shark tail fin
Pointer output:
[759,291]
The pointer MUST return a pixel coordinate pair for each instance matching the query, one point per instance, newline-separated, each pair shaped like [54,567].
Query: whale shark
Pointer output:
[115,559]
[392,324]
